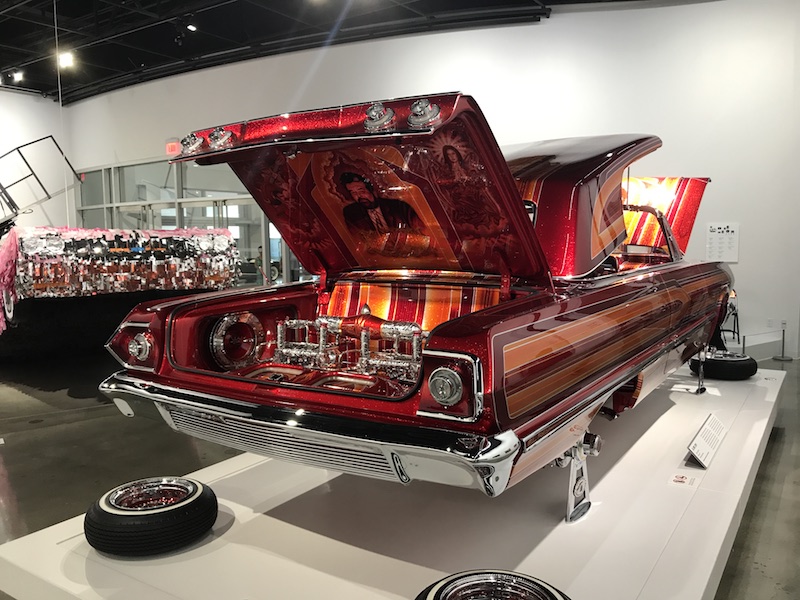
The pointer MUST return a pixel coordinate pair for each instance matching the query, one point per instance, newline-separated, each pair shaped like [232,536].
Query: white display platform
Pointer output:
[291,532]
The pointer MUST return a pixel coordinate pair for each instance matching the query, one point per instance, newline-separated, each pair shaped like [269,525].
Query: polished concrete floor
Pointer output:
[62,446]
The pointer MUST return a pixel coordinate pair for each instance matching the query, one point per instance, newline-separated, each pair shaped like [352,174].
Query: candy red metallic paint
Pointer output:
[472,312]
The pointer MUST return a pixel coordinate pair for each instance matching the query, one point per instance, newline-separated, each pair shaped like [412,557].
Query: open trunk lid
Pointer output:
[678,198]
[403,184]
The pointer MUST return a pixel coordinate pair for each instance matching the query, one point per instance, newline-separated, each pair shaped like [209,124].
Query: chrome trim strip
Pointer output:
[530,441]
[149,391]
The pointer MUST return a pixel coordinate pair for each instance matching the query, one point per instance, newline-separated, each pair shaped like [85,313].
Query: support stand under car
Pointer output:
[578,502]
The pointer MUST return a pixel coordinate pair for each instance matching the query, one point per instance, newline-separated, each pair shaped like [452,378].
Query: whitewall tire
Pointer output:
[150,516]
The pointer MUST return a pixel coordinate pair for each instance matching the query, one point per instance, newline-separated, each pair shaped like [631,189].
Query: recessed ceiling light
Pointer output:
[191,27]
[17,76]
[65,59]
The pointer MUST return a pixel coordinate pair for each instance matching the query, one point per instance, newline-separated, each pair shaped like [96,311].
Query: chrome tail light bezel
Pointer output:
[468,370]
[132,335]
[218,340]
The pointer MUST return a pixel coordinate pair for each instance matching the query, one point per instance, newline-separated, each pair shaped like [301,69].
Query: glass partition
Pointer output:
[199,214]
[94,188]
[131,217]
[210,181]
[151,182]
[94,218]
[159,195]
[163,216]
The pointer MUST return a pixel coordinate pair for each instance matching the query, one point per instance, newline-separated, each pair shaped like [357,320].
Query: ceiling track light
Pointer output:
[66,60]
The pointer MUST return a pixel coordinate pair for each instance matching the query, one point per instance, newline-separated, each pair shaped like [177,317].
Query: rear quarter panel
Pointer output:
[550,360]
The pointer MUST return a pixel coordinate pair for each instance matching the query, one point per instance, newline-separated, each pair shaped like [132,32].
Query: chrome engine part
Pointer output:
[349,344]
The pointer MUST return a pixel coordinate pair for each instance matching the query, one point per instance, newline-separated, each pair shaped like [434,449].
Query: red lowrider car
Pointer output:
[472,312]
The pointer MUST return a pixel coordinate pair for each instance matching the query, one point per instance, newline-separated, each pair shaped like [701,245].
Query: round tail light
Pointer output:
[237,340]
[135,345]
[446,387]
[140,346]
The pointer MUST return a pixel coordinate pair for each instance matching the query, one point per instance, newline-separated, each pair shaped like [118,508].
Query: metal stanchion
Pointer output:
[783,356]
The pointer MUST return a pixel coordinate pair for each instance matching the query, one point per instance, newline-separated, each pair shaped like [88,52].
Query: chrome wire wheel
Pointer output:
[150,516]
[491,585]
[153,493]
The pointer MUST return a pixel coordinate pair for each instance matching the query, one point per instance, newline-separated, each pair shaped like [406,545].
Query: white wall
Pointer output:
[717,80]
[24,119]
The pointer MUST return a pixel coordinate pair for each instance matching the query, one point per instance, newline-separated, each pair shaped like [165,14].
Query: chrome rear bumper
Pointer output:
[382,451]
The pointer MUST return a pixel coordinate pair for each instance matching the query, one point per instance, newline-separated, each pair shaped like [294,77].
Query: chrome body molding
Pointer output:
[534,440]
[379,450]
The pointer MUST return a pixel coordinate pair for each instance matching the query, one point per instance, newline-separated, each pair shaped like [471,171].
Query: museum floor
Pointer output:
[62,446]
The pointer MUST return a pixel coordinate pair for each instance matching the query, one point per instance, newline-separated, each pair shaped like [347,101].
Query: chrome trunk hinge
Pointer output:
[323,295]
[505,287]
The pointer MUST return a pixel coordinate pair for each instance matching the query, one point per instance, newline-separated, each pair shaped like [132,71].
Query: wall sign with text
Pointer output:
[722,242]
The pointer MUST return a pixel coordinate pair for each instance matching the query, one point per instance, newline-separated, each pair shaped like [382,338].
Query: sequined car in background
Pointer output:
[47,263]
[472,312]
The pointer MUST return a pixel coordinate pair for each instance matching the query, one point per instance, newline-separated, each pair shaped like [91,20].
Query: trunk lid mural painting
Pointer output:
[437,197]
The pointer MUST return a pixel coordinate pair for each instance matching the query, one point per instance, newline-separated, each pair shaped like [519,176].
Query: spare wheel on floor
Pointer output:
[489,584]
[150,516]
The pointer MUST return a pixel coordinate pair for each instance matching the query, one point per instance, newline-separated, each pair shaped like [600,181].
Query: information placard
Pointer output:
[722,242]
[705,444]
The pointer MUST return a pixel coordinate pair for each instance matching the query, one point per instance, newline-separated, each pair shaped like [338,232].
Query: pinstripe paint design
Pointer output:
[518,354]
[578,349]
[608,223]
[597,354]
[575,351]
[703,281]
[530,189]
[703,291]
[426,305]
[587,212]
[644,229]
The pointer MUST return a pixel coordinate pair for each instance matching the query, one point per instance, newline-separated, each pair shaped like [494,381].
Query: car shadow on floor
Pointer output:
[56,346]
[416,523]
